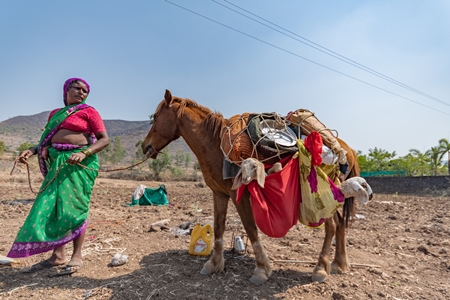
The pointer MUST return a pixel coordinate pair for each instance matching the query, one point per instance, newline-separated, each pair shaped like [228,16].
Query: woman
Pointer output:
[68,161]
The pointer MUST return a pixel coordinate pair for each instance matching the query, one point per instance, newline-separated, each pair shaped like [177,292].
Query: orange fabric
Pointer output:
[276,206]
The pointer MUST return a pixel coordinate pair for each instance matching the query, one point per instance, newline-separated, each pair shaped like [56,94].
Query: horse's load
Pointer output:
[306,122]
[269,137]
[265,137]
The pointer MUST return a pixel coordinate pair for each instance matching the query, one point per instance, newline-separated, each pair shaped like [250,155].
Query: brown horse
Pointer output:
[201,129]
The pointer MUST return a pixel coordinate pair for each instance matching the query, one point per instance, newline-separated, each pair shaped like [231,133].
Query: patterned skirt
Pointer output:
[59,213]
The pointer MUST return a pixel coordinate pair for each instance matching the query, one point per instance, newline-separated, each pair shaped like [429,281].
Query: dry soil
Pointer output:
[398,248]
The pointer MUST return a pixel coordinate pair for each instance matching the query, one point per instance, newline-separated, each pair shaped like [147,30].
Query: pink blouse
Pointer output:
[87,120]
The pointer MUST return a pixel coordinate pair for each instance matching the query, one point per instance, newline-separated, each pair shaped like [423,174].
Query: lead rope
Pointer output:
[59,168]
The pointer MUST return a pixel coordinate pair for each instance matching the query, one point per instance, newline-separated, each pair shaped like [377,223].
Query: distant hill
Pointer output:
[20,129]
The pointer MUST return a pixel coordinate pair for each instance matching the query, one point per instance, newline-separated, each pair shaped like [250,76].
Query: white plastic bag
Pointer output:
[119,259]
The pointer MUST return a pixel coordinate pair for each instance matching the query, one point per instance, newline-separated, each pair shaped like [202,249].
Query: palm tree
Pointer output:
[435,159]
[419,162]
[444,147]
[380,158]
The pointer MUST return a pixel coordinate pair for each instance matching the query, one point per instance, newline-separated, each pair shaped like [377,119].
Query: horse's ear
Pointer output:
[260,175]
[237,181]
[168,96]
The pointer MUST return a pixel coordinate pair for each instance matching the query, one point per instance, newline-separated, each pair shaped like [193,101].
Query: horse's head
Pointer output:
[164,126]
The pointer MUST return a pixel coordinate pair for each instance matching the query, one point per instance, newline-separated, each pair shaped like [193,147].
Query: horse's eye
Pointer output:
[152,119]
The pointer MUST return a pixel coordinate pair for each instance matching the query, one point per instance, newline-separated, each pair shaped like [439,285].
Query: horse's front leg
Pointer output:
[263,269]
[340,263]
[322,269]
[216,263]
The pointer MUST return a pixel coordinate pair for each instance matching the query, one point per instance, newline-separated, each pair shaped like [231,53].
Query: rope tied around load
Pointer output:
[269,137]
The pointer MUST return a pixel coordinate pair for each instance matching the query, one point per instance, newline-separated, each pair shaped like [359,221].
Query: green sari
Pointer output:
[59,213]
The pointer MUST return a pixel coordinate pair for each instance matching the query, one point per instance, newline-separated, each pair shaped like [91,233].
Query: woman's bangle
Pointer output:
[87,151]
[34,149]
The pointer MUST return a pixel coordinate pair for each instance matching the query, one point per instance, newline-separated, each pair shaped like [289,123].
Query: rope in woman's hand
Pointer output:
[59,168]
[28,171]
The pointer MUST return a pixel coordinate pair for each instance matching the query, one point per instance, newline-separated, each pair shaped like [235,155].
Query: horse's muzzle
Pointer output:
[150,152]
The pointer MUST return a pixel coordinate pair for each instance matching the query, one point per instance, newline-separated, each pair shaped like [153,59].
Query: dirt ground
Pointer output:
[399,248]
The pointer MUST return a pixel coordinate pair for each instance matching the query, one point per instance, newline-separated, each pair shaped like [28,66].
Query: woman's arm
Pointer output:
[25,154]
[102,142]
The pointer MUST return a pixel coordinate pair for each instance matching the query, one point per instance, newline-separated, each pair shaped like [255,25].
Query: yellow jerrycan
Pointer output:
[201,240]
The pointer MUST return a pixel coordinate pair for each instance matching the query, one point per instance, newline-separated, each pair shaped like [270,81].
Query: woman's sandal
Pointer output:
[45,264]
[70,268]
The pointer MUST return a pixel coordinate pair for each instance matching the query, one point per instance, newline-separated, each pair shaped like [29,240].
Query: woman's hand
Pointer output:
[76,158]
[24,155]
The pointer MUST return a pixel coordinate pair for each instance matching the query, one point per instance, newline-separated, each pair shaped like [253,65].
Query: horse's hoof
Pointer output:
[319,275]
[205,271]
[336,269]
[256,280]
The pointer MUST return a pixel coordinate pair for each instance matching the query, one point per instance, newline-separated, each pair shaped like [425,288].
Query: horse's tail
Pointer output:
[349,208]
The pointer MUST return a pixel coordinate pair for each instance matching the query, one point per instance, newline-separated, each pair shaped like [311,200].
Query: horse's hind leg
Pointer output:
[322,269]
[263,269]
[216,263]
[340,263]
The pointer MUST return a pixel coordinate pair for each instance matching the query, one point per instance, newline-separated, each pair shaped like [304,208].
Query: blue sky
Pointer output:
[131,51]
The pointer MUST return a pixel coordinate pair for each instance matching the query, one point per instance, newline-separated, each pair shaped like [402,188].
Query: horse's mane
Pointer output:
[213,122]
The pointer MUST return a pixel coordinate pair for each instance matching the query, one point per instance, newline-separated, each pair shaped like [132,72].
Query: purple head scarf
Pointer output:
[69,81]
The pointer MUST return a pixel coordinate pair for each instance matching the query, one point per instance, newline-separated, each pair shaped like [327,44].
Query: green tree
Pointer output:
[161,163]
[435,155]
[176,172]
[376,160]
[418,162]
[114,153]
[182,158]
[118,151]
[105,155]
[179,158]
[444,148]
[196,169]
[2,147]
[24,146]
[187,160]
[138,156]
[363,162]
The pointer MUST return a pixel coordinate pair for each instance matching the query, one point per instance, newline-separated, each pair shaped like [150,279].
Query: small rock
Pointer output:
[423,249]
[381,294]
[338,296]
[185,225]
[375,271]
[158,227]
